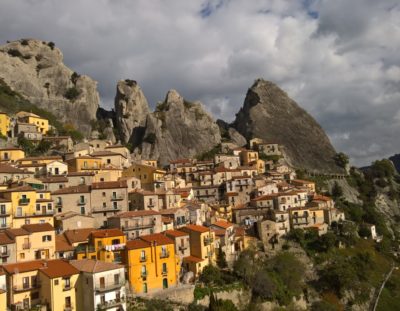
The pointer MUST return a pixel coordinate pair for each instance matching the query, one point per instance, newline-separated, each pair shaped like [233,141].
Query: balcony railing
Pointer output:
[3,226]
[117,197]
[164,254]
[68,308]
[111,303]
[139,226]
[84,248]
[164,272]
[82,202]
[109,286]
[143,258]
[208,241]
[5,253]
[183,247]
[102,209]
[26,287]
[37,213]
[26,246]
[24,201]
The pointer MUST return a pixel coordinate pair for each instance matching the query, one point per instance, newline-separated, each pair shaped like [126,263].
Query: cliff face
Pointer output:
[131,110]
[177,129]
[269,113]
[35,69]
[396,162]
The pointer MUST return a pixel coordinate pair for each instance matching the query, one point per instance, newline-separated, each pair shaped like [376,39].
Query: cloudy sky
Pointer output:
[338,59]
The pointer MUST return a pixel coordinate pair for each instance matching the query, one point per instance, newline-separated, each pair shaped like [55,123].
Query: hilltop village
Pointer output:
[87,226]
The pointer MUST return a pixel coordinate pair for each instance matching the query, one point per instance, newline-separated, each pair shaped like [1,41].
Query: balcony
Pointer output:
[164,272]
[111,303]
[117,197]
[26,287]
[24,201]
[143,258]
[143,274]
[5,253]
[108,286]
[34,214]
[139,226]
[83,249]
[183,248]
[66,287]
[164,254]
[101,209]
[81,202]
[26,246]
[208,241]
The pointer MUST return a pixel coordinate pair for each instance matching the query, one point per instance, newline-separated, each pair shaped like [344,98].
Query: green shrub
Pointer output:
[72,93]
[14,53]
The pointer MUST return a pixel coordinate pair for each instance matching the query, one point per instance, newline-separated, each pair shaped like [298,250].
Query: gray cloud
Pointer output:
[339,60]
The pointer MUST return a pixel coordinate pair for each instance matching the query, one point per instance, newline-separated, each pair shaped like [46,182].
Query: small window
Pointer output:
[56,282]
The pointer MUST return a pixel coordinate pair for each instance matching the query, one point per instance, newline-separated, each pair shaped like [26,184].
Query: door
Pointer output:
[102,282]
[165,283]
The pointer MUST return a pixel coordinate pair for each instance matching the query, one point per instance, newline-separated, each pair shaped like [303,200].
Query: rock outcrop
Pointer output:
[35,69]
[230,134]
[396,162]
[270,114]
[131,110]
[177,129]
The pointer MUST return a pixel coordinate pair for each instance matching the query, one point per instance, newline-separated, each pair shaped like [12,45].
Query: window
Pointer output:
[38,207]
[82,210]
[143,255]
[25,282]
[67,283]
[56,282]
[35,296]
[116,279]
[2,209]
[164,268]
[46,238]
[103,194]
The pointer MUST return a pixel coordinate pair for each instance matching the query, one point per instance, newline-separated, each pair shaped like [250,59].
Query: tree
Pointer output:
[221,259]
[210,275]
[341,159]
[337,191]
[72,93]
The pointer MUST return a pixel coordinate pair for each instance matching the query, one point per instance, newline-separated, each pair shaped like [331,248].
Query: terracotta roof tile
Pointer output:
[73,189]
[222,224]
[196,228]
[193,259]
[137,244]
[175,233]
[78,235]
[158,238]
[109,184]
[106,233]
[136,214]
[62,244]
[58,268]
[32,228]
[5,239]
[94,266]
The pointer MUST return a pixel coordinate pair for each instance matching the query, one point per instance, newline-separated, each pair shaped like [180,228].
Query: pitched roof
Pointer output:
[158,238]
[32,228]
[58,268]
[106,153]
[53,179]
[196,228]
[13,232]
[21,267]
[222,224]
[8,169]
[193,259]
[175,233]
[104,233]
[62,244]
[78,235]
[109,184]
[94,266]
[41,158]
[137,244]
[73,189]
[5,239]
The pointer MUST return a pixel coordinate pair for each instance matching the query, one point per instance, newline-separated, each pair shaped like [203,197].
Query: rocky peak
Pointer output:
[131,110]
[270,114]
[35,69]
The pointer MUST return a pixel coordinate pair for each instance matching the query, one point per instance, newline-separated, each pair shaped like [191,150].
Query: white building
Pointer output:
[101,284]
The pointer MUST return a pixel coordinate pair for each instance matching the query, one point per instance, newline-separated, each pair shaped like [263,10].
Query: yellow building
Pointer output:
[11,154]
[58,280]
[202,248]
[32,242]
[28,206]
[106,245]
[84,164]
[310,185]
[47,283]
[39,160]
[4,123]
[31,118]
[248,157]
[303,217]
[152,264]
[147,174]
